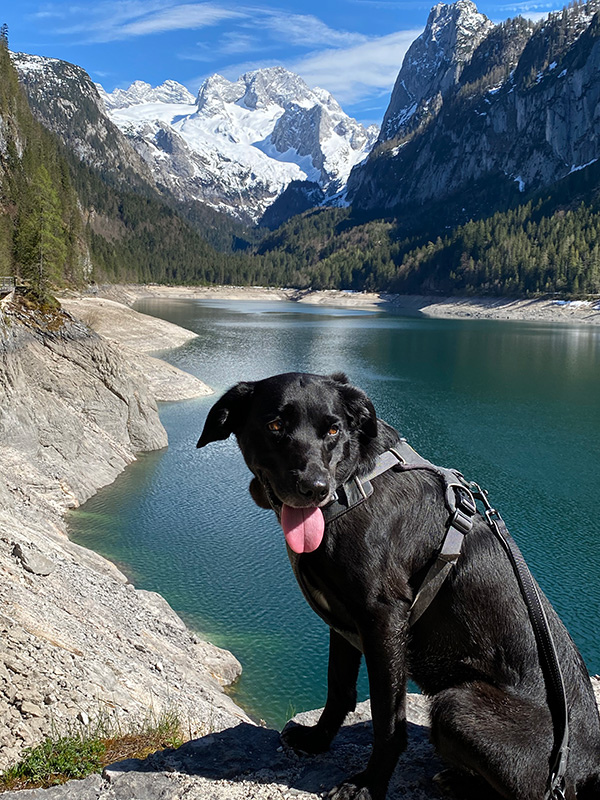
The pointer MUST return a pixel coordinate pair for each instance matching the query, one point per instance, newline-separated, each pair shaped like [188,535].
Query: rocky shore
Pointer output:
[77,640]
[548,309]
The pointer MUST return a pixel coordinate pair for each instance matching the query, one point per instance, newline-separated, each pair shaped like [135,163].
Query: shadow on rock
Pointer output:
[248,753]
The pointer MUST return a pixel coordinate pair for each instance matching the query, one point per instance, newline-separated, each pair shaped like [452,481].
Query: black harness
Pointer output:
[461,501]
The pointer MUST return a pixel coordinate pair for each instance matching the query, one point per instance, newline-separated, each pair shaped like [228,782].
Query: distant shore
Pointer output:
[498,308]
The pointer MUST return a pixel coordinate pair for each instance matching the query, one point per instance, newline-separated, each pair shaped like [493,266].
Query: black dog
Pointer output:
[473,651]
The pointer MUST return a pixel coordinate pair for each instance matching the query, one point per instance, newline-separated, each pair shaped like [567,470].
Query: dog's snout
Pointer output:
[313,489]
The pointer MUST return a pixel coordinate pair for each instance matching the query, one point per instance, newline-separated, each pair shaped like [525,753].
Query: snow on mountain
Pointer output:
[140,92]
[239,145]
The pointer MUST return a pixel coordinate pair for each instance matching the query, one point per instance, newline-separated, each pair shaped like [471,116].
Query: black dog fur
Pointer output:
[473,651]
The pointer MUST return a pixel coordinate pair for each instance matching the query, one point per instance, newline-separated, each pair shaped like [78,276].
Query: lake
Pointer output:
[514,406]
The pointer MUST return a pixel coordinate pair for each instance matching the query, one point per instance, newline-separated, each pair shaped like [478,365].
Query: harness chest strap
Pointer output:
[459,502]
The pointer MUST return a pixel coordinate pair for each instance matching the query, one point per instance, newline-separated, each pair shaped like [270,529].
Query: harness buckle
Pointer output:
[461,521]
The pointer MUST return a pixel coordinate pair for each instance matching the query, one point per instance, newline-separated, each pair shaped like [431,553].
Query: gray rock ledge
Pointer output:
[248,762]
[79,645]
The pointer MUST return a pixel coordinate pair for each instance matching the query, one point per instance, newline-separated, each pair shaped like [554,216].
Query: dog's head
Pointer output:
[301,435]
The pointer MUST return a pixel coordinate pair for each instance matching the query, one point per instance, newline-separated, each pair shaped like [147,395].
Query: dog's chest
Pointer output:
[325,602]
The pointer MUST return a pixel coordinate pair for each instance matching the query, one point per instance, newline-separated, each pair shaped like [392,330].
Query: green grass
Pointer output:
[61,758]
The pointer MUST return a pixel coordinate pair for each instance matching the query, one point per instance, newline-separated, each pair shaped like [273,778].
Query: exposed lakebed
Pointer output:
[513,405]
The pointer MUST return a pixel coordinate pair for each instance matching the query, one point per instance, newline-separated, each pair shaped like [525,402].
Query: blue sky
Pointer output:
[353,48]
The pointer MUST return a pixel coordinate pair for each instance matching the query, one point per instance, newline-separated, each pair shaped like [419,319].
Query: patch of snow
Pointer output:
[563,73]
[582,166]
[521,183]
[572,303]
[397,149]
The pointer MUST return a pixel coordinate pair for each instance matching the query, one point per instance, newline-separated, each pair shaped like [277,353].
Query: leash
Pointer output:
[460,498]
[557,698]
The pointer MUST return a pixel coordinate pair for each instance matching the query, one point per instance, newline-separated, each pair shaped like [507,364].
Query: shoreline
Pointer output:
[137,336]
[79,642]
[551,310]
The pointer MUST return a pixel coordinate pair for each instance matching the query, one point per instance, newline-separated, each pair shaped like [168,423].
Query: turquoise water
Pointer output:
[513,405]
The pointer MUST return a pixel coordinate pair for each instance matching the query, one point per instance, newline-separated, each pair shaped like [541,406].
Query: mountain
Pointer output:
[433,64]
[62,96]
[239,144]
[78,204]
[481,114]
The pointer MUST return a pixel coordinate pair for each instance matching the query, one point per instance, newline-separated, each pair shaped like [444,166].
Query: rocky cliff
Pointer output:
[482,114]
[65,100]
[77,640]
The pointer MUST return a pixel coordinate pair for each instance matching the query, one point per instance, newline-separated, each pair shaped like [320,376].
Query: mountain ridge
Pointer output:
[241,143]
[519,116]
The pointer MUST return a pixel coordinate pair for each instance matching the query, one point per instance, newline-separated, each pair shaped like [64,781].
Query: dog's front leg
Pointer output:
[385,653]
[342,673]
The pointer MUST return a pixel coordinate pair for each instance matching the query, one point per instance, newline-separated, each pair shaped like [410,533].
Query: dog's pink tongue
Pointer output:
[303,528]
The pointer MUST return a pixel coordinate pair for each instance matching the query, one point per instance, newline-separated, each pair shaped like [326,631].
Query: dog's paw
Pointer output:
[348,791]
[305,738]
[354,789]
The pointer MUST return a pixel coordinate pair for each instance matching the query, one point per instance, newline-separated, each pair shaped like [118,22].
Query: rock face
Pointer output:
[481,113]
[433,65]
[77,640]
[65,100]
[248,761]
[242,142]
[137,335]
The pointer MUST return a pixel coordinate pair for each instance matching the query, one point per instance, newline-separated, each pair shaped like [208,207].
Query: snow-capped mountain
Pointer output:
[240,143]
[64,99]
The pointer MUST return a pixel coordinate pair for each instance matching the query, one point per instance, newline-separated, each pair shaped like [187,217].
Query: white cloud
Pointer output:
[181,17]
[106,22]
[305,30]
[353,73]
[531,9]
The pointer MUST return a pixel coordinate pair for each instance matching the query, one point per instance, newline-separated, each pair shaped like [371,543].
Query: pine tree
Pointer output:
[40,237]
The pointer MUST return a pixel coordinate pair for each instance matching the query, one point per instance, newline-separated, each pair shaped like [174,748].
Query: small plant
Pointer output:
[61,758]
[55,761]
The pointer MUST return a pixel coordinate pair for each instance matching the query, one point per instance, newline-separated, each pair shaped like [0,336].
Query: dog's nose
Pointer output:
[315,490]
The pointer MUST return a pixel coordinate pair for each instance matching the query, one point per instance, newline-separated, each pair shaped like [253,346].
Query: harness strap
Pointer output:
[557,697]
[459,525]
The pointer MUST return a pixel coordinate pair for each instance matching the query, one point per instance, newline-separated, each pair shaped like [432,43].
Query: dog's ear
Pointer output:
[257,493]
[339,377]
[359,409]
[227,415]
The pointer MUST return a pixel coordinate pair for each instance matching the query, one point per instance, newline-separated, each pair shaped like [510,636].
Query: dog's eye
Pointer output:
[275,425]
[333,430]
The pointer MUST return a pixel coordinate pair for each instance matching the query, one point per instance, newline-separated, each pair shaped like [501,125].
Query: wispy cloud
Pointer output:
[181,17]
[236,42]
[115,21]
[531,9]
[354,73]
[305,30]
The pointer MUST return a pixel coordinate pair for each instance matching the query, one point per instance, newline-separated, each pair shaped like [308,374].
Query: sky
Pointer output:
[354,49]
